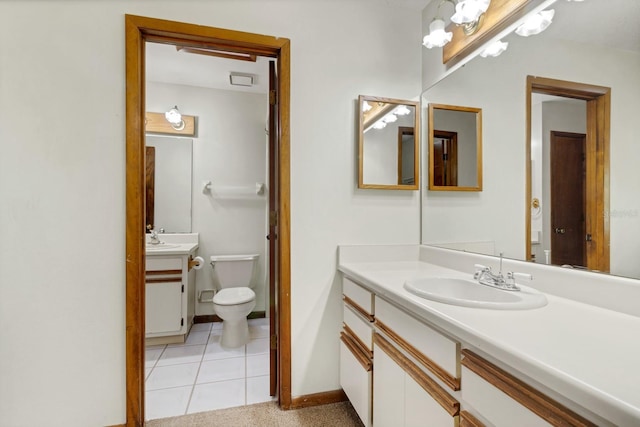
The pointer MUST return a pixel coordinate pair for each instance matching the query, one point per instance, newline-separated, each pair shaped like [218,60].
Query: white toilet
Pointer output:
[233,278]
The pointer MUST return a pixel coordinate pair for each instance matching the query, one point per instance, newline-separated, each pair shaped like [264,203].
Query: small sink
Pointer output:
[467,293]
[160,246]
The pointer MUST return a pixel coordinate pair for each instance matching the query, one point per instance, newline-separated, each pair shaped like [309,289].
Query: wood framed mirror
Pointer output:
[388,143]
[455,148]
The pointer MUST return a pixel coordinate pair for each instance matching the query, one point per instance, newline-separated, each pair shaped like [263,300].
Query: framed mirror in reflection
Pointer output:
[455,148]
[388,143]
[497,219]
[168,179]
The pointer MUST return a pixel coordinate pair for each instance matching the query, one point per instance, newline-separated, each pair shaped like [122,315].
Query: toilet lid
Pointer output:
[233,296]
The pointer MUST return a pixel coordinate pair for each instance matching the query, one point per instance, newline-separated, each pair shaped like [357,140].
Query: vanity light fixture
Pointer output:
[174,117]
[365,106]
[468,14]
[536,23]
[401,110]
[494,49]
[390,118]
[380,124]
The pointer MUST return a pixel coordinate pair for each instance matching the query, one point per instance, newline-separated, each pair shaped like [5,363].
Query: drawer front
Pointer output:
[356,380]
[156,263]
[503,399]
[359,327]
[494,405]
[442,353]
[358,296]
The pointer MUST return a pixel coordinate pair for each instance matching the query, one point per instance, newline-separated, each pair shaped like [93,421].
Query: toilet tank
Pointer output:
[234,271]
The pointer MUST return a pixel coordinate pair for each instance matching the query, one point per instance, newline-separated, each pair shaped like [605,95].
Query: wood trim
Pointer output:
[364,347]
[164,280]
[208,318]
[357,352]
[363,312]
[316,399]
[440,395]
[210,52]
[150,187]
[156,123]
[162,272]
[468,420]
[499,15]
[548,409]
[139,30]
[598,158]
[433,367]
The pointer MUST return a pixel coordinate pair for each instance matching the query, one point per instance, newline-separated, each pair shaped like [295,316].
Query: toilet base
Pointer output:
[235,333]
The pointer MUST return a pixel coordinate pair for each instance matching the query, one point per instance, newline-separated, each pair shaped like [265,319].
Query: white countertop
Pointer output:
[587,354]
[171,249]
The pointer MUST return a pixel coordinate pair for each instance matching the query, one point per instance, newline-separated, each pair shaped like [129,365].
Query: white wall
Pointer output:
[230,151]
[62,185]
[497,85]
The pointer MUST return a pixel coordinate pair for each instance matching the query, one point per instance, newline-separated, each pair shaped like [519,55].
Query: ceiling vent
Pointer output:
[240,79]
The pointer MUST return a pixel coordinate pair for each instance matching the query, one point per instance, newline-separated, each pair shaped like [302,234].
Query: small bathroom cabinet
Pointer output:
[169,295]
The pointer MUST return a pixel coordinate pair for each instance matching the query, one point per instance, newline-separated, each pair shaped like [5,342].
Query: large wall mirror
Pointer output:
[497,219]
[455,148]
[168,178]
[388,143]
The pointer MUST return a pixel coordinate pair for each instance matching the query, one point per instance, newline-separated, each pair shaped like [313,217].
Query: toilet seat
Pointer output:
[234,296]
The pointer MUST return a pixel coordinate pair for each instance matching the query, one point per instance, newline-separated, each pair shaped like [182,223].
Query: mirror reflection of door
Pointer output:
[406,160]
[445,157]
[150,179]
[568,194]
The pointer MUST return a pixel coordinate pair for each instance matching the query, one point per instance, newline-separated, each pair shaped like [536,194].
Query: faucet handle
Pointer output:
[513,275]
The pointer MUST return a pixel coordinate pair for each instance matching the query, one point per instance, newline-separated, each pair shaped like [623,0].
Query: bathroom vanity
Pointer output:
[405,359]
[170,288]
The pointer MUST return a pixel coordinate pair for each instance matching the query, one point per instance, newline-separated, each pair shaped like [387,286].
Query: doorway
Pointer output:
[139,31]
[595,233]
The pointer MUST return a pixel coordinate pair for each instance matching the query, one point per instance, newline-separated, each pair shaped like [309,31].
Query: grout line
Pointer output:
[195,380]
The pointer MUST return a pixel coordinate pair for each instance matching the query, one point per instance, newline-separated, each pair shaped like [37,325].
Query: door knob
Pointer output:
[559,230]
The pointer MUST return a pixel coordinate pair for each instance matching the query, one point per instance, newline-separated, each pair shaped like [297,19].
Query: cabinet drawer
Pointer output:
[436,352]
[358,297]
[156,263]
[504,400]
[355,379]
[358,327]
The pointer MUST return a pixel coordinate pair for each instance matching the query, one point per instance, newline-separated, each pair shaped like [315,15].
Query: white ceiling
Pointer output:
[613,23]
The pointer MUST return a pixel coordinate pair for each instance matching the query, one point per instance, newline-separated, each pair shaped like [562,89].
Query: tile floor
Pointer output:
[199,375]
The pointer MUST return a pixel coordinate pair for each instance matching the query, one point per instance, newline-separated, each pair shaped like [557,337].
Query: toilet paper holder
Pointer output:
[206,292]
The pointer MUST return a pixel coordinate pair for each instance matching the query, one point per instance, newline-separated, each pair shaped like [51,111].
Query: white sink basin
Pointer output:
[468,293]
[160,246]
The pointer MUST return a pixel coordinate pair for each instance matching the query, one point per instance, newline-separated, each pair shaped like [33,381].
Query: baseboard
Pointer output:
[316,399]
[208,318]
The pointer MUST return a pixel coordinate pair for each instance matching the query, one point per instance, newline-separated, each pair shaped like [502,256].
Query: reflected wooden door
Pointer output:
[445,158]
[568,195]
[273,227]
[150,186]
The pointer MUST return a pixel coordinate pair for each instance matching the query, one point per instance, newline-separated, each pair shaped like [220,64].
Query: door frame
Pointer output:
[598,100]
[138,31]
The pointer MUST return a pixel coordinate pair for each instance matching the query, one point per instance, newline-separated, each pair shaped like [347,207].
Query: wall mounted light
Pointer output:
[494,49]
[467,14]
[536,23]
[174,117]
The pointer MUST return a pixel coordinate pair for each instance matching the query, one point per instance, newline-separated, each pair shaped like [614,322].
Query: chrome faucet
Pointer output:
[486,277]
[154,239]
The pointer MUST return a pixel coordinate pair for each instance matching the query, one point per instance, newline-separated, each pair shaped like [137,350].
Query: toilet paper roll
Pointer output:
[198,262]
